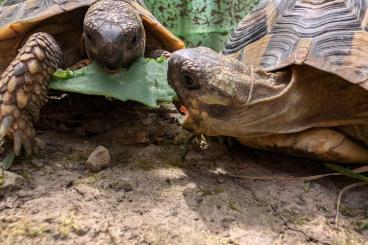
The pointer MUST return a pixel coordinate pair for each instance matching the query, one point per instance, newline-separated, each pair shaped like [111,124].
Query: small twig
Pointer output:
[304,178]
[57,97]
[345,189]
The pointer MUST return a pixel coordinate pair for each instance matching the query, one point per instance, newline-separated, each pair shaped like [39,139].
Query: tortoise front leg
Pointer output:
[23,89]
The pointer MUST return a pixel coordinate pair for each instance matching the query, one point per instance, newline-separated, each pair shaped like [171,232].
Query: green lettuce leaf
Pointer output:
[145,82]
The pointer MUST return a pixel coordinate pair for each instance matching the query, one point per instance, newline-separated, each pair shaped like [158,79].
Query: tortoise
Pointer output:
[39,36]
[292,78]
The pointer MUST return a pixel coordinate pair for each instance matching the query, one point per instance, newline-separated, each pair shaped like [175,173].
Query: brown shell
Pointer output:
[18,17]
[330,35]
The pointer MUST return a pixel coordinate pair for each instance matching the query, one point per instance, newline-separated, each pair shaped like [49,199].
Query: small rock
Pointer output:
[300,200]
[10,181]
[118,186]
[142,138]
[174,213]
[69,184]
[9,219]
[199,198]
[88,192]
[23,193]
[49,220]
[100,158]
[220,180]
[121,197]
[37,163]
[41,145]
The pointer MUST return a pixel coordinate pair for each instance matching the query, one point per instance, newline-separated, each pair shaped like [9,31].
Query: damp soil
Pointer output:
[150,196]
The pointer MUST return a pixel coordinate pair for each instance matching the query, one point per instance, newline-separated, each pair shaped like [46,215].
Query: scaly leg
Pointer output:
[23,89]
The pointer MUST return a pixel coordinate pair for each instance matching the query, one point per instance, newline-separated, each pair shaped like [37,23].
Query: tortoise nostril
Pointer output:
[134,40]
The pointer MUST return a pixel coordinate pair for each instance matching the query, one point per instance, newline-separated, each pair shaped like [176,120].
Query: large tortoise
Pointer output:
[39,36]
[292,78]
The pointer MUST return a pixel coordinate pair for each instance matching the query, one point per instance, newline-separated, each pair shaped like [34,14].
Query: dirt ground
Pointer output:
[150,196]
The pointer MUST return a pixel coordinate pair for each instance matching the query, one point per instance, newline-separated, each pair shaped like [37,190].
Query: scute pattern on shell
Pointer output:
[14,11]
[327,34]
[18,17]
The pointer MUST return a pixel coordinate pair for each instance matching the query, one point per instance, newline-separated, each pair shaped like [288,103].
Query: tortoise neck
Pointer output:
[311,99]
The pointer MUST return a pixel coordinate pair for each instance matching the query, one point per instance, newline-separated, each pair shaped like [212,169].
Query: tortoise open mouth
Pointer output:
[184,112]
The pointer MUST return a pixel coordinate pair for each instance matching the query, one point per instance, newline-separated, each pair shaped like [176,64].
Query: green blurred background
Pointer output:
[201,22]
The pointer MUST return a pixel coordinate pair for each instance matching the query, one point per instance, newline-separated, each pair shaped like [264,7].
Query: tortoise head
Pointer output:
[114,34]
[219,94]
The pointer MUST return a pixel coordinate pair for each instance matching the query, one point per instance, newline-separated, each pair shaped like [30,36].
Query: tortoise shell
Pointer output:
[20,17]
[330,35]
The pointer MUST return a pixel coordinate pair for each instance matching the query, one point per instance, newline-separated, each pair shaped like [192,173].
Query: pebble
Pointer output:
[199,198]
[142,138]
[100,158]
[11,181]
[37,163]
[220,180]
[118,186]
[23,193]
[41,145]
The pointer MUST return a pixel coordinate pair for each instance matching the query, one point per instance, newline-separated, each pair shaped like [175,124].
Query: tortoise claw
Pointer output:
[22,139]
[17,142]
[20,130]
[27,145]
[6,124]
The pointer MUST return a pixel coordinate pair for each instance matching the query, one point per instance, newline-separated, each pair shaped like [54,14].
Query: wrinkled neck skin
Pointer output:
[287,101]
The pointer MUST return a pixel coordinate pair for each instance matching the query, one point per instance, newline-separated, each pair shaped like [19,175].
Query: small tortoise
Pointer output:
[292,78]
[39,36]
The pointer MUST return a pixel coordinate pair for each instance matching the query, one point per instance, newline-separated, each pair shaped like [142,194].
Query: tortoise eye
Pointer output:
[189,82]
